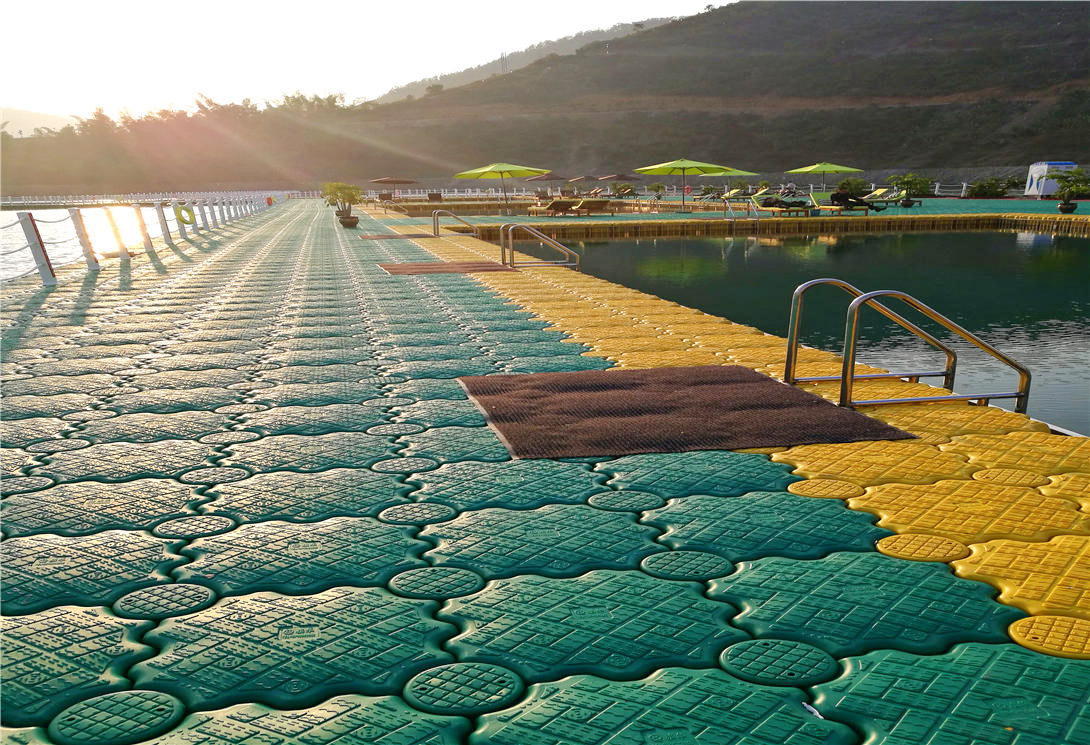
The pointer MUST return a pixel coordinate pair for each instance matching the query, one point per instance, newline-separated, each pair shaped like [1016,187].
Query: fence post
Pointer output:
[212,212]
[143,228]
[964,189]
[937,188]
[163,225]
[121,248]
[181,225]
[37,248]
[84,240]
[204,214]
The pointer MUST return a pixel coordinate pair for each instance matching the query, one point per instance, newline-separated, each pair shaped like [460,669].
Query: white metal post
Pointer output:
[84,240]
[37,248]
[181,225]
[964,189]
[121,248]
[212,211]
[204,215]
[163,225]
[196,220]
[143,228]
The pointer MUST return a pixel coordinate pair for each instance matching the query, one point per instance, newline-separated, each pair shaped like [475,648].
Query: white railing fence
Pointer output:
[176,214]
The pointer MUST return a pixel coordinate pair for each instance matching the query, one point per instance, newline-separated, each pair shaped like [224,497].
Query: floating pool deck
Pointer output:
[245,501]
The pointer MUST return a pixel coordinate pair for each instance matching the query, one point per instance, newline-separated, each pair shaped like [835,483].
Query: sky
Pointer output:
[145,56]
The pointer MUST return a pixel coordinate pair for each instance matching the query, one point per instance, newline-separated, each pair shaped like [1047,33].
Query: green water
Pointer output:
[1027,294]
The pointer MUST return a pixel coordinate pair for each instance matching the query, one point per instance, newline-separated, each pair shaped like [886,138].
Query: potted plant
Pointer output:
[913,185]
[1073,183]
[343,196]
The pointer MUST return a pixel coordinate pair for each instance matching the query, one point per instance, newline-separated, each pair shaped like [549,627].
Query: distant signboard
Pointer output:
[1037,185]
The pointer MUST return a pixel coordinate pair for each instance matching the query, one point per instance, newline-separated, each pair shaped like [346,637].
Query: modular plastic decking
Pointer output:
[246,501]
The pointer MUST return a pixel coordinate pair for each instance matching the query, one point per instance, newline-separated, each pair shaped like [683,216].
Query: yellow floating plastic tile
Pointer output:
[922,547]
[816,369]
[826,488]
[972,511]
[873,390]
[876,462]
[953,419]
[681,358]
[761,451]
[1074,486]
[1010,477]
[777,355]
[1040,578]
[622,345]
[1061,636]
[1036,451]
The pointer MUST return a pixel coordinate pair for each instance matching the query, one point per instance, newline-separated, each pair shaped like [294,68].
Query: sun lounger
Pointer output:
[780,211]
[588,206]
[555,207]
[836,209]
[876,194]
[890,198]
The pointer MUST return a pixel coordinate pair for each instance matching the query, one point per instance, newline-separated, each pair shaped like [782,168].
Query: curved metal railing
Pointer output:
[507,239]
[386,204]
[435,214]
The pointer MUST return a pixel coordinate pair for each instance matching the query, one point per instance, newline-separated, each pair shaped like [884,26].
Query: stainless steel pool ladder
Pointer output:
[386,204]
[848,377]
[507,239]
[435,214]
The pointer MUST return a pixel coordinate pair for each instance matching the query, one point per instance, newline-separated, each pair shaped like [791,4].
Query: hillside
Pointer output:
[516,60]
[762,86]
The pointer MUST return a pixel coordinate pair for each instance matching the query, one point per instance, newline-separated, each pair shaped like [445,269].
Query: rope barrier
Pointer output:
[9,225]
[13,250]
[66,217]
[55,243]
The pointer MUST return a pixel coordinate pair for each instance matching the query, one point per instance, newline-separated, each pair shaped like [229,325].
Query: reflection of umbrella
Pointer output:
[684,168]
[502,171]
[824,168]
[619,177]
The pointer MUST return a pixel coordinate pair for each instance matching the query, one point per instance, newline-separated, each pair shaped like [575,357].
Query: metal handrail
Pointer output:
[386,204]
[794,325]
[572,257]
[435,222]
[851,334]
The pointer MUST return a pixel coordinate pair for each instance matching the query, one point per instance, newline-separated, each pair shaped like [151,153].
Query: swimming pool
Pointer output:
[1025,293]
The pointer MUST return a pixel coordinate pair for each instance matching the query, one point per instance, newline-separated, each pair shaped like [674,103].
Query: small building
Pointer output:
[1039,186]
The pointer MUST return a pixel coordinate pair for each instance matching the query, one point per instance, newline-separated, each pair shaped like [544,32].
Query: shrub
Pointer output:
[991,187]
[914,184]
[857,187]
[1074,183]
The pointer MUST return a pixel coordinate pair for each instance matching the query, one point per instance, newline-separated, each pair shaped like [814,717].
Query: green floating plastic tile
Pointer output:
[559,363]
[778,662]
[44,571]
[407,338]
[452,444]
[974,694]
[464,688]
[81,366]
[301,557]
[13,461]
[228,437]
[850,603]
[401,465]
[492,338]
[430,388]
[90,507]
[53,658]
[440,413]
[611,623]
[229,360]
[626,501]
[163,601]
[316,374]
[669,707]
[21,485]
[150,427]
[189,379]
[313,420]
[194,526]
[395,430]
[525,350]
[556,541]
[764,524]
[23,432]
[684,565]
[212,475]
[445,368]
[51,385]
[119,718]
[436,583]
[515,324]
[331,356]
[717,472]
[450,351]
[284,650]
[47,447]
[163,401]
[309,452]
[25,407]
[342,720]
[516,484]
[417,513]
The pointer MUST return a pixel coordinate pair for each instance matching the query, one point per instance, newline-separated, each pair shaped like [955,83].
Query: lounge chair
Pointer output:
[727,196]
[588,206]
[435,196]
[780,211]
[890,198]
[836,209]
[876,194]
[555,207]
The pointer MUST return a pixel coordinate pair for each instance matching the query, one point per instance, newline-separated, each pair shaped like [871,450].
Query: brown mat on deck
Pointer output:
[445,267]
[664,410]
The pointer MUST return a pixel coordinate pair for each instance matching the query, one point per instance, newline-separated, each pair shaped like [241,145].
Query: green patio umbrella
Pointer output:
[685,168]
[824,168]
[502,171]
